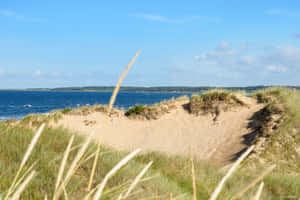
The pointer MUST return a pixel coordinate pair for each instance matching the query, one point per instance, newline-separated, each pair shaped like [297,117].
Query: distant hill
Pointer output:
[176,89]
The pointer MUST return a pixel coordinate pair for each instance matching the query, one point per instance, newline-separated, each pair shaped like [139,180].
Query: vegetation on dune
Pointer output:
[48,155]
[168,174]
[213,101]
[135,110]
[279,135]
[86,110]
[66,110]
[155,111]
[36,120]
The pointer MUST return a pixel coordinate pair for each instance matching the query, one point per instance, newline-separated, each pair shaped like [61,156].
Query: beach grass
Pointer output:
[167,175]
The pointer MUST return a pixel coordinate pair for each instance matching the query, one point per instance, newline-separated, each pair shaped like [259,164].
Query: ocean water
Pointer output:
[17,104]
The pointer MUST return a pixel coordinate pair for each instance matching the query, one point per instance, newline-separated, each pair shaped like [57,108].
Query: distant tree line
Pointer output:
[176,89]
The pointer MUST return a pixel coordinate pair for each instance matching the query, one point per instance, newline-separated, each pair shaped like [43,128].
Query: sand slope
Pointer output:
[174,133]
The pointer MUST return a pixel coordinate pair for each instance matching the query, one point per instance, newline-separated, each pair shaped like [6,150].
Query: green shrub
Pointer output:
[137,110]
[208,101]
[66,110]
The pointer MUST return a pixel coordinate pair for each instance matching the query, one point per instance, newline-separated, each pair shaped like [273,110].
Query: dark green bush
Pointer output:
[137,110]
[66,110]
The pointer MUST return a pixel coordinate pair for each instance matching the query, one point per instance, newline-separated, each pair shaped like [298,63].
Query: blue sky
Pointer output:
[193,43]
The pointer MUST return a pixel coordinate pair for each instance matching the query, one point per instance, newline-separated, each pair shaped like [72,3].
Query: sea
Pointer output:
[18,104]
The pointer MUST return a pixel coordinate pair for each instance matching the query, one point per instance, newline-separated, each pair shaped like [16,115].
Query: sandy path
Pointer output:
[174,133]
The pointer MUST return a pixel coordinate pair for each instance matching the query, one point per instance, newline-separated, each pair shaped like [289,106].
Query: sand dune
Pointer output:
[174,133]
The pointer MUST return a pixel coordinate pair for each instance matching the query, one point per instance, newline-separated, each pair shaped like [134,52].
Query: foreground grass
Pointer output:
[169,174]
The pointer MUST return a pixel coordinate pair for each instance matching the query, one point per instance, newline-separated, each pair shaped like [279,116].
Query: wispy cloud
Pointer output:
[281,12]
[38,73]
[160,18]
[277,59]
[296,35]
[17,16]
[276,68]
[1,72]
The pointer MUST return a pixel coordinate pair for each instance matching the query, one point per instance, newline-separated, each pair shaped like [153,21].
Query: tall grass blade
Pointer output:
[21,188]
[259,191]
[66,194]
[20,180]
[254,182]
[25,158]
[94,167]
[193,178]
[63,163]
[217,191]
[31,146]
[98,194]
[72,169]
[137,179]
[116,90]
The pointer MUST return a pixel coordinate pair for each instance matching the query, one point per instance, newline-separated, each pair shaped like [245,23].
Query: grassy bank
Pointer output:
[169,174]
[283,141]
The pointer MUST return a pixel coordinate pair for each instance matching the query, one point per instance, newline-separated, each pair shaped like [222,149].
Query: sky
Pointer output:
[62,43]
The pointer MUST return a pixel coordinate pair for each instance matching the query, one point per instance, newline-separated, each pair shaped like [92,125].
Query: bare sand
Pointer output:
[174,133]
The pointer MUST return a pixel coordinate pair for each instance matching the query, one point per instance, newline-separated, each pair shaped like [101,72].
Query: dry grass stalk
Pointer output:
[137,179]
[193,178]
[89,194]
[113,97]
[24,175]
[94,167]
[31,146]
[72,169]
[21,188]
[98,194]
[217,191]
[254,182]
[66,194]
[63,163]
[259,191]
[120,197]
[121,186]
[24,160]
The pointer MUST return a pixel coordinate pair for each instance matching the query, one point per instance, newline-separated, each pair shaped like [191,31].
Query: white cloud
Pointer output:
[244,47]
[69,74]
[160,18]
[1,72]
[288,56]
[276,59]
[248,60]
[55,74]
[222,55]
[17,16]
[223,46]
[297,35]
[281,12]
[275,11]
[275,68]
[38,72]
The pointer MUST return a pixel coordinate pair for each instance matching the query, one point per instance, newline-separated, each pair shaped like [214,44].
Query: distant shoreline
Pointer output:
[160,89]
